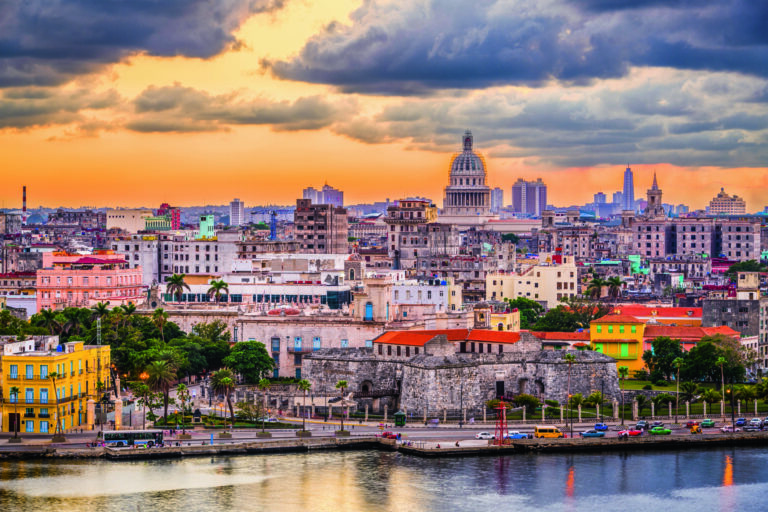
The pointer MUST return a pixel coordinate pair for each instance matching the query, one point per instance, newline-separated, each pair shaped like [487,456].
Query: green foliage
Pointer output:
[530,402]
[530,310]
[687,391]
[594,399]
[647,387]
[510,237]
[559,319]
[745,266]
[660,360]
[175,285]
[218,287]
[701,362]
[576,400]
[662,399]
[248,411]
[261,226]
[584,311]
[223,381]
[711,396]
[251,360]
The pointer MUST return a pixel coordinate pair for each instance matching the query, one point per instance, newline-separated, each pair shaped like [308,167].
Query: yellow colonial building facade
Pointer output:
[28,395]
[621,337]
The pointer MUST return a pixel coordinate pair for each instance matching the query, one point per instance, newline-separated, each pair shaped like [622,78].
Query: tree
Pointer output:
[677,363]
[100,309]
[145,399]
[175,285]
[161,375]
[576,400]
[711,396]
[510,237]
[251,360]
[530,402]
[570,359]
[594,399]
[559,319]
[47,318]
[14,391]
[623,371]
[57,433]
[642,401]
[744,266]
[595,288]
[129,309]
[160,318]
[223,381]
[342,385]
[264,385]
[529,310]
[182,394]
[585,311]
[216,289]
[661,359]
[688,390]
[614,287]
[721,362]
[304,386]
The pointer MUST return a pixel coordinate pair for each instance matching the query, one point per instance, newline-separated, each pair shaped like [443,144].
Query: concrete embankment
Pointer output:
[647,443]
[175,452]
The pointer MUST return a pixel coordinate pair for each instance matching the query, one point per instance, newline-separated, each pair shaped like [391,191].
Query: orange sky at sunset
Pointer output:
[290,106]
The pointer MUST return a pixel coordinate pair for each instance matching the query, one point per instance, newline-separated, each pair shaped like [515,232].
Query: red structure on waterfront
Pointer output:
[502,431]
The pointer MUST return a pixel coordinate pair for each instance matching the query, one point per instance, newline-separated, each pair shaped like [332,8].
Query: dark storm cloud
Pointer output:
[48,42]
[183,109]
[35,107]
[418,47]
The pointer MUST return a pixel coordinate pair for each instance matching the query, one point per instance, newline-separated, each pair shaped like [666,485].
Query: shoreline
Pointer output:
[521,446]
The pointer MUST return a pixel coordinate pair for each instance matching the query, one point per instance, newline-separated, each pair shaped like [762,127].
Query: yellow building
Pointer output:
[82,372]
[621,337]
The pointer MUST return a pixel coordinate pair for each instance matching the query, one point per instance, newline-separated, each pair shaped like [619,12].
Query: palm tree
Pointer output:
[183,395]
[175,285]
[595,288]
[623,372]
[160,318]
[223,381]
[614,287]
[688,390]
[160,376]
[58,430]
[304,386]
[641,403]
[15,396]
[677,363]
[48,318]
[129,309]
[569,358]
[216,288]
[342,385]
[711,396]
[100,309]
[721,361]
[264,385]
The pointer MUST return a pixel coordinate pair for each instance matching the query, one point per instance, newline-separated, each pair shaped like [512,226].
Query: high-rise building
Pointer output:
[173,213]
[321,228]
[497,200]
[529,197]
[313,195]
[467,194]
[724,204]
[629,190]
[236,213]
[599,198]
[618,199]
[654,208]
[327,195]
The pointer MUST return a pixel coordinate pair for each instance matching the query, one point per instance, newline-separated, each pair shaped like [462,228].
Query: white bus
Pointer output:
[148,438]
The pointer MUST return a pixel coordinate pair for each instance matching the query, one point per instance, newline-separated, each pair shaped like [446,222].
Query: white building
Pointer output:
[130,220]
[236,213]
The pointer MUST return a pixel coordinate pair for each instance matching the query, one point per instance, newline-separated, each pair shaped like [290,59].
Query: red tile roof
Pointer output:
[660,311]
[412,338]
[96,261]
[685,332]
[583,336]
[485,335]
[451,334]
[617,319]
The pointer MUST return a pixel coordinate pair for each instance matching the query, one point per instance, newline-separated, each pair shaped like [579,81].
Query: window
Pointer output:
[43,396]
[381,350]
[389,350]
[599,329]
[43,371]
[29,426]
[316,343]
[29,370]
[621,329]
[43,427]
[29,395]
[14,371]
[610,328]
[275,344]
[344,343]
[297,343]
[633,329]
[368,343]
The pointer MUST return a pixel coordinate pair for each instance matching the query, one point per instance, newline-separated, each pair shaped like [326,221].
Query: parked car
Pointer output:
[642,425]
[601,426]
[707,423]
[484,435]
[657,424]
[728,428]
[592,433]
[756,421]
[631,432]
[740,422]
[660,431]
[751,427]
[514,434]
[691,424]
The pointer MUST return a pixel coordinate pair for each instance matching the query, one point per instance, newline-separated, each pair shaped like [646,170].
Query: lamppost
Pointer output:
[144,376]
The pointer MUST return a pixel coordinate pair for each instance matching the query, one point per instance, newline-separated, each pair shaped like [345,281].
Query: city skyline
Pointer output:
[254,100]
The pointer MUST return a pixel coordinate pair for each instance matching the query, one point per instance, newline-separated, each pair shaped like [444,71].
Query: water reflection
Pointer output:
[374,481]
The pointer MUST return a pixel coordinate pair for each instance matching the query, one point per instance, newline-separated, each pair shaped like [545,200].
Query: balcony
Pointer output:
[29,414]
[27,377]
[293,349]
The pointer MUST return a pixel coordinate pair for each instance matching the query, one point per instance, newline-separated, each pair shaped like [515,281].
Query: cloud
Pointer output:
[682,117]
[49,42]
[183,109]
[418,47]
[28,107]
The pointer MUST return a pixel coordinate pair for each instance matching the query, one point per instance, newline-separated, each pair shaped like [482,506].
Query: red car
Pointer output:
[631,432]
[691,424]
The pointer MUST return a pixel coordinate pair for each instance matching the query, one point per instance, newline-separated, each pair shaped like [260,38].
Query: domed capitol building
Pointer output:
[467,196]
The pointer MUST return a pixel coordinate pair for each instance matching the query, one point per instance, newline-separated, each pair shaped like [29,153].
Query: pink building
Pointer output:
[81,281]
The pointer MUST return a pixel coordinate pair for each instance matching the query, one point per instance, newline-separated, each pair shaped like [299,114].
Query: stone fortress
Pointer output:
[427,371]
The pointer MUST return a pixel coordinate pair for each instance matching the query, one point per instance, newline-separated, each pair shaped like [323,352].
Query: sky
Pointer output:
[138,102]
